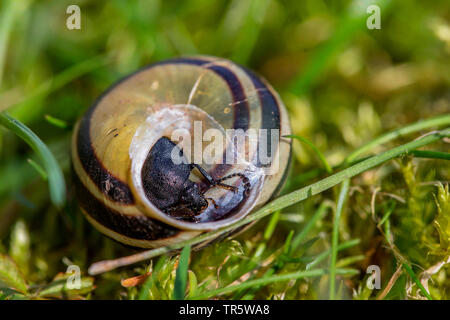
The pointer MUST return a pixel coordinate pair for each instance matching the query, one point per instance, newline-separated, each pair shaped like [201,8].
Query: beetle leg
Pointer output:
[245,180]
[205,174]
[225,186]
[169,210]
[213,202]
[212,181]
[172,209]
[218,182]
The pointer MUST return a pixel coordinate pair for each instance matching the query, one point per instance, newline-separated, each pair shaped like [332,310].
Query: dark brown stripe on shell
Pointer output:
[271,119]
[240,104]
[280,185]
[270,113]
[114,188]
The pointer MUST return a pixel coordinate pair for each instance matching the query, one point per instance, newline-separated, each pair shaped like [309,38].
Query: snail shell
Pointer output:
[112,141]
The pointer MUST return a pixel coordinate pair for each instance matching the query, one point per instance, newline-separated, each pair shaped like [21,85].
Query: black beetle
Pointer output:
[167,184]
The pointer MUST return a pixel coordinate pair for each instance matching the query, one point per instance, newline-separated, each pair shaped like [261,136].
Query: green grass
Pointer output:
[55,176]
[335,236]
[279,203]
[182,274]
[314,148]
[368,182]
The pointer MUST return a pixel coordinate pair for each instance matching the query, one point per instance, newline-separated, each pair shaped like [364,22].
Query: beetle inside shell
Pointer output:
[180,147]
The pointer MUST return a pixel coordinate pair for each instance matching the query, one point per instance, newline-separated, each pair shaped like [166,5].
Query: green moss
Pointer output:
[345,87]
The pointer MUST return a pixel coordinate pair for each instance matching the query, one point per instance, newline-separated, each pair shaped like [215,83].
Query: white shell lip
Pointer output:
[166,120]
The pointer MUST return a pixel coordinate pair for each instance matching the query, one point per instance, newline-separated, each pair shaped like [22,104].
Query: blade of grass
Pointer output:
[56,181]
[193,284]
[267,235]
[335,236]
[7,17]
[38,169]
[430,154]
[320,212]
[273,279]
[287,243]
[145,290]
[349,260]
[259,251]
[297,240]
[421,125]
[182,273]
[387,232]
[279,203]
[315,149]
[56,122]
[353,158]
[349,25]
[390,283]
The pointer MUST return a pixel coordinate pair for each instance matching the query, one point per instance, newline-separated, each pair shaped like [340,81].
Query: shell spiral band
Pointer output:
[127,182]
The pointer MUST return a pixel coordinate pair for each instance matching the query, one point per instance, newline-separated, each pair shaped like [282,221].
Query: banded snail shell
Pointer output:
[113,140]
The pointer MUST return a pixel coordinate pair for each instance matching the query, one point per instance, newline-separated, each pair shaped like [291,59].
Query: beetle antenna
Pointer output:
[213,202]
[245,180]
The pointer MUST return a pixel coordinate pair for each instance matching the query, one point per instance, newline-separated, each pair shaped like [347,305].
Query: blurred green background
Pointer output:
[342,83]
